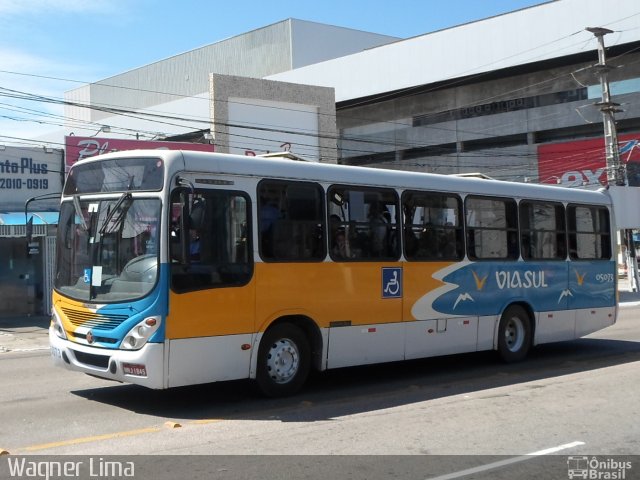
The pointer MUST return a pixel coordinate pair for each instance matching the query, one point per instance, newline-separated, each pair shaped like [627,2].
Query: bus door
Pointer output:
[212,295]
[364,280]
[434,250]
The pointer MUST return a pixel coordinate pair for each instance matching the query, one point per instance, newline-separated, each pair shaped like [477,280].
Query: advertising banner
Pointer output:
[78,148]
[583,162]
[29,172]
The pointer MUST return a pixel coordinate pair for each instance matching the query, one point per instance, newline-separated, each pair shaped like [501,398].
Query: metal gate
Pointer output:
[49,272]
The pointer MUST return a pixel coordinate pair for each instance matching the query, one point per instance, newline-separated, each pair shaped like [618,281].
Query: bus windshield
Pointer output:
[115,175]
[107,250]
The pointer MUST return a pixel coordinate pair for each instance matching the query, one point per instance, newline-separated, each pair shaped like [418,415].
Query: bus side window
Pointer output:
[216,232]
[291,225]
[368,218]
[432,226]
[542,230]
[492,228]
[589,232]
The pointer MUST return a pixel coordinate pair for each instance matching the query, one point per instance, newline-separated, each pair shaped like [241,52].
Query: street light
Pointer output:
[103,128]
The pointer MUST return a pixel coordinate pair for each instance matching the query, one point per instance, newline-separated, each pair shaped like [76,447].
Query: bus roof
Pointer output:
[281,168]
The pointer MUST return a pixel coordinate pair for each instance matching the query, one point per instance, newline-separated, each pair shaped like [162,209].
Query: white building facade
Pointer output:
[511,96]
[491,96]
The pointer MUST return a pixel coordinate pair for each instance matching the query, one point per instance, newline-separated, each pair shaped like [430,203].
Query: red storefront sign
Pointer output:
[583,162]
[78,148]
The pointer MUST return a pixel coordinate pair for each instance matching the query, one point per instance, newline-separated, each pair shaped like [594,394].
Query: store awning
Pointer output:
[18,218]
[13,224]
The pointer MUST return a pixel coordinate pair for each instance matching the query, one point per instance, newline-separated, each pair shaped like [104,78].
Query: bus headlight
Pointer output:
[56,324]
[140,333]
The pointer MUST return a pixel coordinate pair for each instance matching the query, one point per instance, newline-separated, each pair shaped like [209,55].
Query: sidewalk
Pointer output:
[629,299]
[24,334]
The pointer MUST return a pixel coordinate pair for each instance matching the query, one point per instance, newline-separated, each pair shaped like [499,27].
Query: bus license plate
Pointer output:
[134,369]
[56,353]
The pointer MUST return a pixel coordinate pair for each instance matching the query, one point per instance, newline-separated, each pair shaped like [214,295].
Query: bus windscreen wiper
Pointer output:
[120,205]
[76,205]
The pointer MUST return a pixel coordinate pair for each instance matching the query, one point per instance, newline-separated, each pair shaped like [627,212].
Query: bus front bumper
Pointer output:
[141,367]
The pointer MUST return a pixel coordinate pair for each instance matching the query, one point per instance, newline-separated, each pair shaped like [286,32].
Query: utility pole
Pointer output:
[615,170]
[616,174]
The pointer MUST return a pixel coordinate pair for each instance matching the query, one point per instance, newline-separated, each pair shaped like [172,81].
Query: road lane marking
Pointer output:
[31,349]
[95,438]
[108,436]
[206,421]
[508,461]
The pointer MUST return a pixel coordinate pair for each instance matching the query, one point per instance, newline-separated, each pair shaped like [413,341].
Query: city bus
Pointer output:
[178,268]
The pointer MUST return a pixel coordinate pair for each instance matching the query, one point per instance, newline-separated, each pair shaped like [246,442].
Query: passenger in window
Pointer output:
[340,248]
[269,214]
[379,218]
[429,242]
[447,246]
[194,246]
[410,241]
[269,210]
[334,223]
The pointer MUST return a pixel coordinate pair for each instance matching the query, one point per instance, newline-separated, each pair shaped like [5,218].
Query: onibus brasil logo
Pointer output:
[597,469]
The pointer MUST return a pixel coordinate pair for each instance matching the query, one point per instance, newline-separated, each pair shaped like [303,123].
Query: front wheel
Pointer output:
[514,334]
[284,360]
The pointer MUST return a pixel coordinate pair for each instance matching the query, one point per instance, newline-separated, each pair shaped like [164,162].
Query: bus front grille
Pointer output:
[94,320]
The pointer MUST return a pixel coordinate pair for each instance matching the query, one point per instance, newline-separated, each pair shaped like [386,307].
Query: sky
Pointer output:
[48,47]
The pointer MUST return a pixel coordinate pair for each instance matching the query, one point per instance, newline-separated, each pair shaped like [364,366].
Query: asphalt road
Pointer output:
[572,398]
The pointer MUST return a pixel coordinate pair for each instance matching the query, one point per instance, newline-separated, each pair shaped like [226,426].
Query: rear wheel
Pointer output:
[514,334]
[284,360]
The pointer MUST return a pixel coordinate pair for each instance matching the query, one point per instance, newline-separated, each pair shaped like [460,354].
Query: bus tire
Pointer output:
[284,360]
[514,334]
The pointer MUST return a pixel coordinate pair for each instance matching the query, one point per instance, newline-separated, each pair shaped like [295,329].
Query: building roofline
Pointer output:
[582,57]
[542,32]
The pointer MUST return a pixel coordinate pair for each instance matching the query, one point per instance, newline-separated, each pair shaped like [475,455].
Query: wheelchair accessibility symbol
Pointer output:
[391,282]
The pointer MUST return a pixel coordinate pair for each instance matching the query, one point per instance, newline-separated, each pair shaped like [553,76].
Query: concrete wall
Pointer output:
[259,53]
[303,116]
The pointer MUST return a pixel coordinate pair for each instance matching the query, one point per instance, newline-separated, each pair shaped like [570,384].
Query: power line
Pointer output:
[102,84]
[168,119]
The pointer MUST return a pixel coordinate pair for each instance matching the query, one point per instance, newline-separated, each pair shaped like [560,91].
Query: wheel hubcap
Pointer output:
[514,334]
[283,360]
